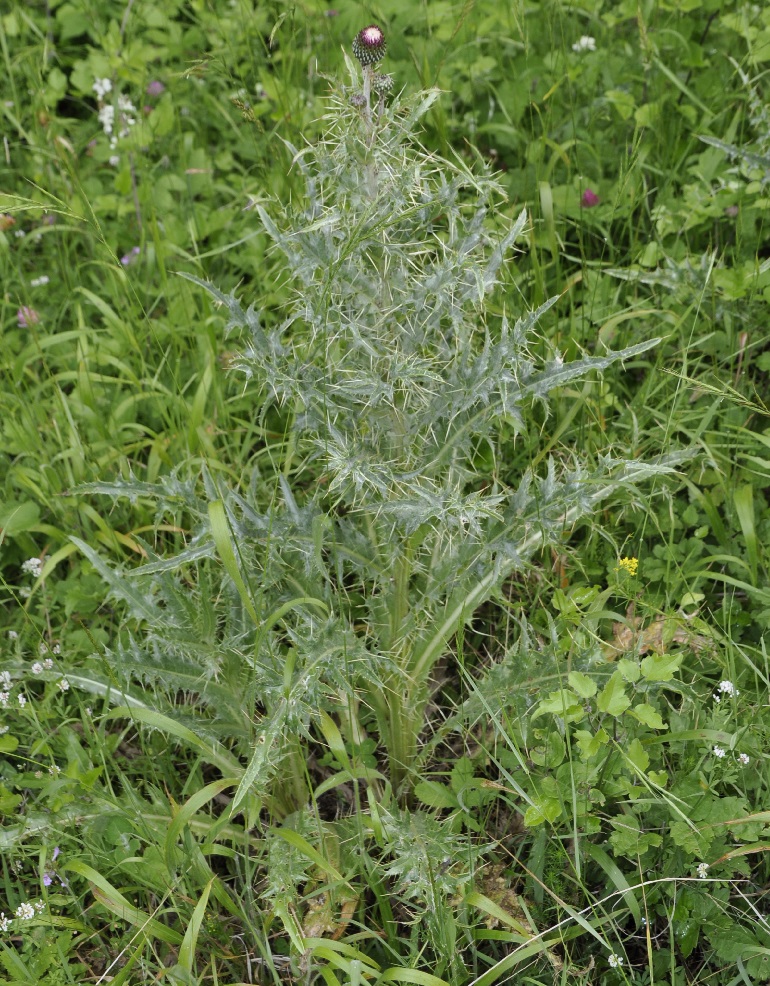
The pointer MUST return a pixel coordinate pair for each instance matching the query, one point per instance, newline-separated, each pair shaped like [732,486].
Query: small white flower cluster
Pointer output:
[102,87]
[40,666]
[725,688]
[24,912]
[586,43]
[615,961]
[38,282]
[119,115]
[5,698]
[719,752]
[33,567]
[702,870]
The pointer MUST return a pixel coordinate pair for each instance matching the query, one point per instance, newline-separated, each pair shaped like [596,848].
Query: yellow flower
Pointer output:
[629,565]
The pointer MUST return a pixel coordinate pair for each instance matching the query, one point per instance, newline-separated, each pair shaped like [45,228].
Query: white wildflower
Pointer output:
[64,685]
[25,911]
[586,43]
[718,752]
[702,870]
[38,282]
[744,759]
[47,664]
[22,700]
[102,87]
[37,668]
[728,688]
[615,960]
[5,680]
[33,567]
[107,118]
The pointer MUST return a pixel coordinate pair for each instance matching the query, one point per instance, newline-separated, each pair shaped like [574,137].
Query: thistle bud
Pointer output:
[369,45]
[382,84]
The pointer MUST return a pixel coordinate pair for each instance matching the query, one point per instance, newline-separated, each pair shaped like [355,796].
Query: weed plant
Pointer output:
[392,681]
[348,577]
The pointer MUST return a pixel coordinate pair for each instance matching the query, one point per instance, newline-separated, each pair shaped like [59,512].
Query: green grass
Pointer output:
[518,795]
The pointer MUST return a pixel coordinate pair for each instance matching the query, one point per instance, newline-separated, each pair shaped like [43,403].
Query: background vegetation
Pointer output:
[229,755]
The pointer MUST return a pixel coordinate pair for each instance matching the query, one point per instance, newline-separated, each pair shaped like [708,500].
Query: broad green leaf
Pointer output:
[542,809]
[582,684]
[638,755]
[661,667]
[591,744]
[684,837]
[564,704]
[649,716]
[613,699]
[629,669]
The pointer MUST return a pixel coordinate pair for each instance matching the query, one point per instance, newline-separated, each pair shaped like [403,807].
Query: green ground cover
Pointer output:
[383,468]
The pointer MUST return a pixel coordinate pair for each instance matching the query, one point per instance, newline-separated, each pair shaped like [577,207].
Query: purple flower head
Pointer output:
[27,316]
[589,199]
[155,88]
[47,878]
[130,257]
[369,45]
[56,852]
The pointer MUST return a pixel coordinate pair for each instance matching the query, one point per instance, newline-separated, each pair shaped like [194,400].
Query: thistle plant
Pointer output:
[348,574]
